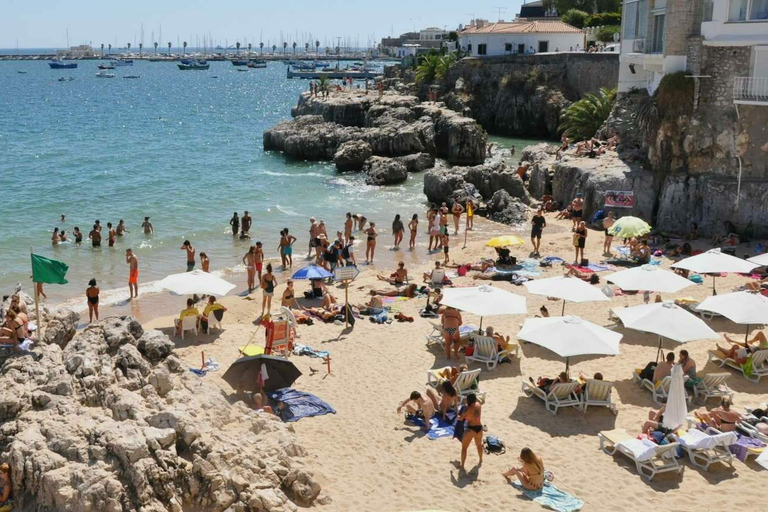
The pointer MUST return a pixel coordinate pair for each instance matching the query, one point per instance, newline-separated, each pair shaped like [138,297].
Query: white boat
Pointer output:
[124,62]
[103,74]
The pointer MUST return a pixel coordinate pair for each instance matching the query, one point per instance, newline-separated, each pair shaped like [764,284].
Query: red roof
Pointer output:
[524,27]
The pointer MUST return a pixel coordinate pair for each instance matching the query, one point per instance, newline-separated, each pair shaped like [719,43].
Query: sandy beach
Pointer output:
[366,456]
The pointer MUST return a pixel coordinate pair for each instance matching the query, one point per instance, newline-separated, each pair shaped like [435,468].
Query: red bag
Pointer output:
[462,270]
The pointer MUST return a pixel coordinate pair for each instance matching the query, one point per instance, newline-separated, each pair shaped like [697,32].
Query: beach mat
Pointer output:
[437,426]
[299,404]
[551,497]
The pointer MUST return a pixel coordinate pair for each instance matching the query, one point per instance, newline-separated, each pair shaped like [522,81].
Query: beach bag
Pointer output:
[575,240]
[748,367]
[493,444]
[462,270]
[584,263]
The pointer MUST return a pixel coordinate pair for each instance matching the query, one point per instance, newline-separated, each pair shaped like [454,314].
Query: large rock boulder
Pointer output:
[506,209]
[459,140]
[541,159]
[384,171]
[417,162]
[309,138]
[440,183]
[351,156]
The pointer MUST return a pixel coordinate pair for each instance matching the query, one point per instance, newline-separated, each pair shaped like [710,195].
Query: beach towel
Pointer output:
[740,449]
[305,350]
[642,449]
[388,300]
[298,404]
[438,427]
[594,267]
[198,372]
[553,259]
[698,440]
[551,497]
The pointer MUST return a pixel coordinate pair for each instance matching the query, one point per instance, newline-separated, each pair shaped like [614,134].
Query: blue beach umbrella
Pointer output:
[311,272]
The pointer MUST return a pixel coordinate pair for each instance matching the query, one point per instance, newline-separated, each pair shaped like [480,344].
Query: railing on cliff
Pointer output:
[750,90]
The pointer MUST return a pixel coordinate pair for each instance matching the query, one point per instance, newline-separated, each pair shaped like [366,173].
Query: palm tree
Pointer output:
[294,48]
[446,61]
[102,50]
[185,48]
[317,47]
[169,48]
[249,50]
[322,83]
[285,45]
[306,47]
[427,69]
[238,48]
[261,48]
[141,45]
[110,49]
[274,49]
[129,47]
[155,43]
[582,119]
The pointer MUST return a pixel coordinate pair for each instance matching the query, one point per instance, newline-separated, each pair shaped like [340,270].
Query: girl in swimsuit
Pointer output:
[473,430]
[531,474]
[398,230]
[9,330]
[289,296]
[250,266]
[268,284]
[414,227]
[92,294]
[370,247]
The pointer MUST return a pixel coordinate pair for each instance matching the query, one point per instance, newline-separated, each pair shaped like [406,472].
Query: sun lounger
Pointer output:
[759,367]
[436,337]
[751,429]
[745,446]
[465,384]
[597,393]
[712,385]
[706,315]
[486,352]
[660,390]
[650,459]
[706,448]
[560,395]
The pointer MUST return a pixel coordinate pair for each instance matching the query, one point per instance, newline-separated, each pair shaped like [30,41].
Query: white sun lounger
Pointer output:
[660,390]
[759,367]
[712,385]
[707,448]
[597,393]
[650,459]
[560,395]
[486,352]
[436,337]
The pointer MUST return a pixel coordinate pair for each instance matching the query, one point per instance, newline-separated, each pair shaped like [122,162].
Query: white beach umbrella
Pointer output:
[744,308]
[570,289]
[649,278]
[666,319]
[569,336]
[196,282]
[714,262]
[676,409]
[484,301]
[761,259]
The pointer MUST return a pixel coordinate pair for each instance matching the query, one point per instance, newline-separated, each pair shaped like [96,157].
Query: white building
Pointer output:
[432,34]
[83,51]
[482,39]
[407,50]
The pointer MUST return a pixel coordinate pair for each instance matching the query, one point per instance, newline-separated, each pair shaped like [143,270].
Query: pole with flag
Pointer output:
[46,271]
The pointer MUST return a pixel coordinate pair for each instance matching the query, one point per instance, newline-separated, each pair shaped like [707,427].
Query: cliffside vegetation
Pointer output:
[582,119]
[434,66]
[672,99]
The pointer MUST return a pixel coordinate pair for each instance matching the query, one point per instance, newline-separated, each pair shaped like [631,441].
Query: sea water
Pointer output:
[182,147]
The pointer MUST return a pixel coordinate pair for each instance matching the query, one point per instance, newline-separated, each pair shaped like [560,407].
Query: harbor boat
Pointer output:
[110,65]
[239,62]
[257,64]
[124,62]
[132,76]
[241,69]
[194,65]
[58,64]
[66,78]
[103,74]
[22,72]
[322,64]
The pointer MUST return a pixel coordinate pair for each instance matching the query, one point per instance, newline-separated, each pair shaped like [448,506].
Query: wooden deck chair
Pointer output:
[486,352]
[188,323]
[597,393]
[759,366]
[560,395]
[706,448]
[465,382]
[662,458]
[712,385]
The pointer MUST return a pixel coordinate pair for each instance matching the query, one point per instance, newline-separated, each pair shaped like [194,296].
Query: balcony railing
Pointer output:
[750,90]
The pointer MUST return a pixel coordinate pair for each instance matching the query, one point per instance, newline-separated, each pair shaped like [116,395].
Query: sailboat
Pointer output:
[194,64]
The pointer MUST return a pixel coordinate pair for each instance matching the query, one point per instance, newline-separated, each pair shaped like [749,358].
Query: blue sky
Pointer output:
[44,23]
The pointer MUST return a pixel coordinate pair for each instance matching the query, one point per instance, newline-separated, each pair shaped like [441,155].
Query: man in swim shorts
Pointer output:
[577,210]
[133,273]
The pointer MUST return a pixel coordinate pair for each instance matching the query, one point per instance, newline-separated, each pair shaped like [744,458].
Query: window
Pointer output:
[707,10]
[657,43]
[469,48]
[636,14]
[508,47]
[521,48]
[482,49]
[543,46]
[737,11]
[759,10]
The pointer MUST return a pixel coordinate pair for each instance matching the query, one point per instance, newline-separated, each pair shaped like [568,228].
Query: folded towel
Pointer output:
[551,497]
[698,440]
[642,449]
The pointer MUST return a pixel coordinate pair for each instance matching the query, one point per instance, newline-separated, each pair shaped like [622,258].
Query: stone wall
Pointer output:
[721,64]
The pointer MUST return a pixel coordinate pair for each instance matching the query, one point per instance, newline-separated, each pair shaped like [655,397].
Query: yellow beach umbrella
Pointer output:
[629,227]
[504,241]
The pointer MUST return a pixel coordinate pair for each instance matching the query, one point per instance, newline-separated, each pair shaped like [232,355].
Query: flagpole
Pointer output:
[37,302]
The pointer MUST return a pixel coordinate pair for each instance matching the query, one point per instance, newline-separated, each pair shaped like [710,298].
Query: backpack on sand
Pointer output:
[493,444]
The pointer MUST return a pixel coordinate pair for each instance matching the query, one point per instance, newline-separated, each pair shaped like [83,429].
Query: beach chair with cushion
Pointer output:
[759,366]
[650,459]
[706,448]
[466,383]
[712,385]
[560,395]
[659,390]
[188,323]
[597,393]
[486,352]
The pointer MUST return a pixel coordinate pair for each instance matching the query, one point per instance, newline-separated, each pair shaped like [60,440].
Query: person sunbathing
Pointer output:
[583,381]
[190,311]
[664,368]
[398,277]
[374,306]
[409,291]
[545,384]
[740,352]
[446,396]
[10,330]
[448,373]
[722,418]
[564,214]
[417,406]
[642,253]
[328,301]
[501,342]
[589,277]
[480,267]
[531,473]
[655,419]
[258,404]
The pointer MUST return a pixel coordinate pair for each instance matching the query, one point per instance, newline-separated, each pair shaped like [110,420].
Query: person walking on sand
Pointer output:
[579,241]
[121,228]
[398,230]
[348,226]
[577,210]
[92,297]
[446,243]
[187,246]
[473,429]
[538,223]
[457,211]
[434,231]
[608,223]
[246,225]
[205,262]
[470,215]
[112,234]
[235,223]
[250,267]
[348,252]
[268,285]
[147,226]
[414,227]
[370,247]
[258,259]
[443,222]
[133,272]
[95,236]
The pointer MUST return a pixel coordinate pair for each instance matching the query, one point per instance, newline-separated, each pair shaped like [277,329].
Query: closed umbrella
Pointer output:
[667,320]
[569,336]
[744,308]
[484,301]
[311,272]
[629,227]
[261,373]
[649,278]
[571,289]
[196,282]
[676,409]
[504,241]
[715,262]
[761,259]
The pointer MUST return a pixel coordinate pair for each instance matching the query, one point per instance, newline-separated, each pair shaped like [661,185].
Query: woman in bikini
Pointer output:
[531,473]
[451,322]
[722,418]
[250,265]
[9,331]
[740,352]
[92,295]
[473,429]
[457,210]
[414,227]
[205,262]
[289,296]
[268,284]
[370,247]
[398,230]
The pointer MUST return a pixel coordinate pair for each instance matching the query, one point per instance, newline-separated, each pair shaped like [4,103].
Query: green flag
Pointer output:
[48,271]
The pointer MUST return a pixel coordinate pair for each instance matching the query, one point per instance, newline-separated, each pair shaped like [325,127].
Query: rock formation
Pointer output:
[380,170]
[352,155]
[112,421]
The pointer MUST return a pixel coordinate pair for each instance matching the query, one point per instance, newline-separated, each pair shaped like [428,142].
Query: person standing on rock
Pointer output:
[398,230]
[414,227]
[457,211]
[370,247]
[92,296]
[577,210]
[133,272]
[608,223]
[539,223]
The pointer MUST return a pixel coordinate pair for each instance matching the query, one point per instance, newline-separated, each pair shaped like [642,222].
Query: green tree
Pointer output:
[576,18]
[453,36]
[427,68]
[604,18]
[582,119]
[589,6]
[444,65]
[605,34]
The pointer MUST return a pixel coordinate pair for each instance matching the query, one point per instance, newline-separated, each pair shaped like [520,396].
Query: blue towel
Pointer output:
[552,497]
[199,373]
[305,350]
[553,259]
[437,426]
[299,404]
